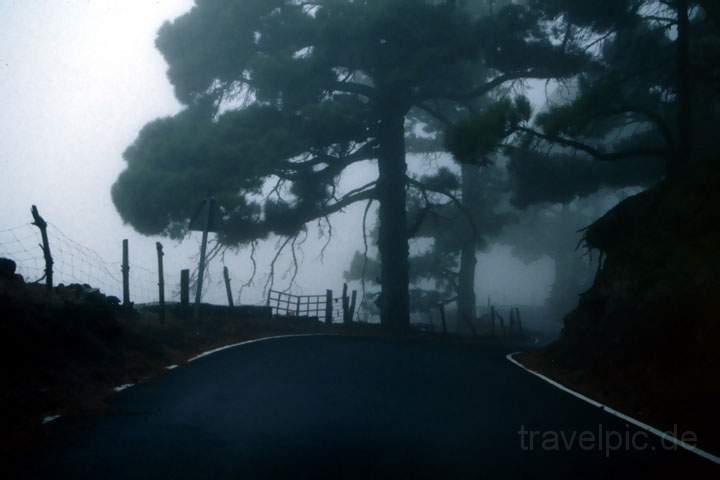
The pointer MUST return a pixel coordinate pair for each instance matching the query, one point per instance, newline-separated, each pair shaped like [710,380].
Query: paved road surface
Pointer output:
[334,407]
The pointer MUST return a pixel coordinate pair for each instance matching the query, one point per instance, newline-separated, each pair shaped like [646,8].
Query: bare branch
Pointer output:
[270,282]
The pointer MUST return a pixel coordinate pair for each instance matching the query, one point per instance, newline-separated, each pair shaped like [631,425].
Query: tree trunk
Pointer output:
[393,235]
[468,259]
[684,118]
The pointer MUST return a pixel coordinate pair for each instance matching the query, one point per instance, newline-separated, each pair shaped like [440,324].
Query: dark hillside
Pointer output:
[646,336]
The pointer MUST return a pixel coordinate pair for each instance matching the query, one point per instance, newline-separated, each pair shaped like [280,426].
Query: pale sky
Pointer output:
[78,80]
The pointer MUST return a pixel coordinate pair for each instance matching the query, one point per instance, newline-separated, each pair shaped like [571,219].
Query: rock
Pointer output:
[7,268]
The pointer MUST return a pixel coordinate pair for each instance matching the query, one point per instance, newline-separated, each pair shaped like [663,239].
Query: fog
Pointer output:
[79,79]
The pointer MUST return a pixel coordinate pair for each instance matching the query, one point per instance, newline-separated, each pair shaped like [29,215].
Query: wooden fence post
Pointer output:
[345,303]
[519,321]
[492,320]
[161,281]
[126,273]
[209,203]
[228,290]
[40,222]
[353,302]
[328,306]
[184,289]
[442,318]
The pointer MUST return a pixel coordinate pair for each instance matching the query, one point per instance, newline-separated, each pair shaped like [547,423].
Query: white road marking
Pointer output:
[246,342]
[612,411]
[50,418]
[120,388]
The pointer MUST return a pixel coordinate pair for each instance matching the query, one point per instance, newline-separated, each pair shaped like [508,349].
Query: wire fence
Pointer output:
[74,263]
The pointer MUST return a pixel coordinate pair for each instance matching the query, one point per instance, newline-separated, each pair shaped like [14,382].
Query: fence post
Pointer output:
[442,318]
[126,273]
[203,251]
[353,302]
[161,280]
[40,222]
[297,308]
[345,303]
[328,306]
[492,320]
[228,290]
[519,321]
[184,289]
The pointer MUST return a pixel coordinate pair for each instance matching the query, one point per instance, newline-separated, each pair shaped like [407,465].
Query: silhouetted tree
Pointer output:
[643,96]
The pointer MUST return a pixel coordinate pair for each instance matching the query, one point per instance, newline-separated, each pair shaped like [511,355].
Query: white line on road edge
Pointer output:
[50,418]
[125,386]
[255,340]
[612,411]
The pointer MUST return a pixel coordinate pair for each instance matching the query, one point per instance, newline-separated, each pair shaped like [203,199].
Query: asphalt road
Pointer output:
[335,407]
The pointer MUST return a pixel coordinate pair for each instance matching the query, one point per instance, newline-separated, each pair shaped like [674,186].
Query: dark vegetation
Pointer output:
[646,336]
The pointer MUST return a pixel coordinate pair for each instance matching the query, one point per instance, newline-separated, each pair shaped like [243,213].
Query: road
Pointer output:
[337,407]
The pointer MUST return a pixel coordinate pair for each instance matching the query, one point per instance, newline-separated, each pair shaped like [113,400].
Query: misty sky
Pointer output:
[78,80]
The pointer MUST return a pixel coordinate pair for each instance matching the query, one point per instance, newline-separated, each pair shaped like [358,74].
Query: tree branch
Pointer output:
[456,201]
[596,153]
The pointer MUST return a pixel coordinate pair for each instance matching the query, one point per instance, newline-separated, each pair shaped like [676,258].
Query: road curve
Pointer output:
[338,407]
